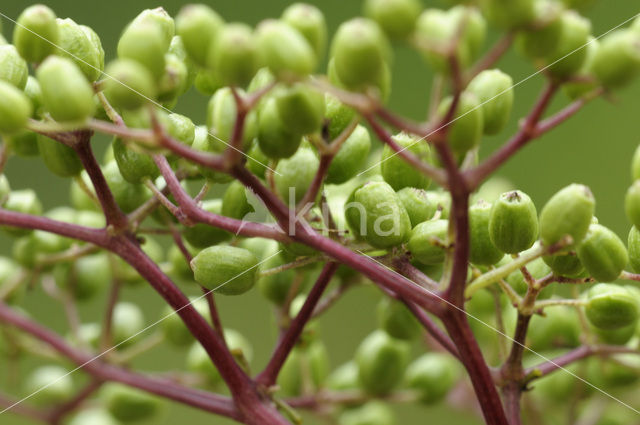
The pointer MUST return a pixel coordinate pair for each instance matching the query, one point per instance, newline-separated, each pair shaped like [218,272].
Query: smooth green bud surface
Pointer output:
[85,277]
[144,42]
[467,124]
[131,85]
[93,416]
[50,384]
[199,27]
[310,22]
[135,167]
[174,329]
[36,33]
[396,320]
[371,413]
[351,157]
[617,60]
[602,253]
[13,69]
[494,90]
[543,36]
[559,328]
[60,159]
[161,19]
[275,287]
[174,80]
[509,14]
[482,250]
[83,49]
[570,54]
[15,109]
[611,306]
[198,359]
[338,116]
[128,196]
[300,108]
[235,203]
[568,212]
[221,119]
[418,205]
[128,321]
[294,175]
[234,57]
[632,203]
[225,269]
[382,362]
[425,243]
[513,226]
[284,50]
[344,377]
[5,189]
[311,362]
[129,404]
[23,201]
[633,245]
[375,213]
[203,235]
[360,51]
[66,93]
[397,18]
[432,375]
[564,264]
[274,138]
[396,171]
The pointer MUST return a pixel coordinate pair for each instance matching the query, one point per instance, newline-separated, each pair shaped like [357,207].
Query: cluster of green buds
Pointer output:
[181,204]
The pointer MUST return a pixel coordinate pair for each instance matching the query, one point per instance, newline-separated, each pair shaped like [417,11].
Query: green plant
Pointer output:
[342,210]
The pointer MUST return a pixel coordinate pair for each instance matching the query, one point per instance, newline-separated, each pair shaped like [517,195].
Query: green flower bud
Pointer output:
[66,93]
[397,18]
[418,205]
[204,142]
[129,84]
[90,219]
[135,167]
[182,128]
[351,157]
[618,336]
[633,245]
[618,371]
[199,26]
[274,138]
[396,320]
[128,322]
[632,203]
[23,143]
[585,82]
[93,416]
[569,55]
[144,43]
[23,201]
[537,269]
[617,60]
[310,22]
[543,36]
[432,375]
[338,116]
[161,19]
[13,69]
[206,82]
[360,51]
[513,225]
[300,108]
[635,164]
[565,264]
[371,413]
[15,109]
[425,243]
[437,29]
[225,269]
[611,306]
[24,252]
[559,328]
[483,251]
[85,277]
[235,203]
[36,33]
[5,189]
[295,175]
[128,196]
[396,171]
[198,360]
[375,213]
[234,56]
[34,93]
[256,160]
[311,362]
[382,362]
[275,287]
[50,385]
[203,235]
[568,212]
[602,253]
[284,50]
[509,14]
[221,119]
[175,79]
[344,377]
[79,45]
[467,124]
[128,404]
[494,90]
[60,159]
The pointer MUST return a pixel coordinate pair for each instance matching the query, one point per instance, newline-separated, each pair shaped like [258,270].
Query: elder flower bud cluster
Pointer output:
[301,182]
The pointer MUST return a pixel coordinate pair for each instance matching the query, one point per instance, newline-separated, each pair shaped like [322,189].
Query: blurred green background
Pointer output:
[594,149]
